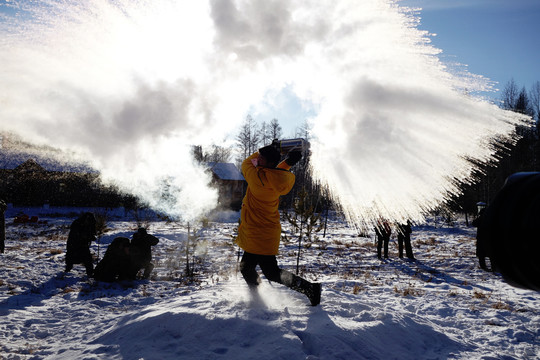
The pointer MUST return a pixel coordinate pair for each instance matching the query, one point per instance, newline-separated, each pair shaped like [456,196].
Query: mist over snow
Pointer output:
[130,86]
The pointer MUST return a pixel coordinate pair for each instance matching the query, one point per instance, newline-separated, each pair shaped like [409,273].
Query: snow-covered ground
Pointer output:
[441,306]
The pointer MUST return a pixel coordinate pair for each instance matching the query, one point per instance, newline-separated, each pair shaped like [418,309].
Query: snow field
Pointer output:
[441,306]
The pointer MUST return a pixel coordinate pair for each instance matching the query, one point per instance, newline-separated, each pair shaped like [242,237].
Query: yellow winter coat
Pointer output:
[260,229]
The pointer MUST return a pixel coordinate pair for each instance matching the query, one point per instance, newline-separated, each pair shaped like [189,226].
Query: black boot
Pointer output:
[148,270]
[89,269]
[311,290]
[482,262]
[314,294]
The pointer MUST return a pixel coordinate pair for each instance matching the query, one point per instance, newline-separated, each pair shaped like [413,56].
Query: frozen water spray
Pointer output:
[131,85]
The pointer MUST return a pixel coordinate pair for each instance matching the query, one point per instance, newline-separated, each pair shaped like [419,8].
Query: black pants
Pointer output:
[380,241]
[408,248]
[87,264]
[271,271]
[267,263]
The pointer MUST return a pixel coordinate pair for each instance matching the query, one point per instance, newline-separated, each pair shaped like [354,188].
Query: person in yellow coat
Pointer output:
[259,231]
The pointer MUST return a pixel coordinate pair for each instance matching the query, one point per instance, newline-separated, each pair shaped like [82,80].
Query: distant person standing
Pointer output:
[481,252]
[259,232]
[383,232]
[81,234]
[404,237]
[3,208]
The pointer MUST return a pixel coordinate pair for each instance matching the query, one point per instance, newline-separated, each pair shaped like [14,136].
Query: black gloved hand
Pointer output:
[276,144]
[293,157]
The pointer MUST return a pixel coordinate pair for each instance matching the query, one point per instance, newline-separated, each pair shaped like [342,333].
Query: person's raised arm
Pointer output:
[249,170]
[292,158]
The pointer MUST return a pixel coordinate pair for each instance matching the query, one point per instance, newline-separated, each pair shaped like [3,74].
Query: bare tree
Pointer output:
[248,138]
[270,131]
[509,95]
[304,130]
[265,133]
[220,154]
[215,153]
[275,129]
[198,154]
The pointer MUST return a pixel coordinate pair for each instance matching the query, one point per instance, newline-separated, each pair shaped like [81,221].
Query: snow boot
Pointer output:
[311,290]
[148,271]
[314,295]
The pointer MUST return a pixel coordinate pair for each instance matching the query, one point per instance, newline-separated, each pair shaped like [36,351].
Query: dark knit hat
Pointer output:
[271,154]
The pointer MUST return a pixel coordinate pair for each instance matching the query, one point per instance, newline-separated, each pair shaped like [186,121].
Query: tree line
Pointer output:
[522,156]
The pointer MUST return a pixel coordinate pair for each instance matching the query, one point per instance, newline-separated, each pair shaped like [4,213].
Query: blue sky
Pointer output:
[499,39]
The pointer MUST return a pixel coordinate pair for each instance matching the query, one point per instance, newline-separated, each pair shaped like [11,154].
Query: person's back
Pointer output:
[82,232]
[115,264]
[259,232]
[141,252]
[260,228]
[404,239]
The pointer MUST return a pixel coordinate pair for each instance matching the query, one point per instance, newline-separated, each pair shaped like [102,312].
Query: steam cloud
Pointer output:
[131,85]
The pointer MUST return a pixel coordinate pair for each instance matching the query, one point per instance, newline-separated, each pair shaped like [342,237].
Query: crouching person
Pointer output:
[116,263]
[81,234]
[141,253]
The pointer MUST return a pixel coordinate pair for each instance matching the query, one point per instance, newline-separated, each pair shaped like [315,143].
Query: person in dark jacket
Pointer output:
[383,232]
[404,237]
[116,263]
[141,253]
[81,234]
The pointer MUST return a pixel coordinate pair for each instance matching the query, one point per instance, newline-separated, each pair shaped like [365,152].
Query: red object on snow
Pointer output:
[23,219]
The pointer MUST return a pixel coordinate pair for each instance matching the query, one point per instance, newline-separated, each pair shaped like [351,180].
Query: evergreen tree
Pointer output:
[534,95]
[524,155]
[522,104]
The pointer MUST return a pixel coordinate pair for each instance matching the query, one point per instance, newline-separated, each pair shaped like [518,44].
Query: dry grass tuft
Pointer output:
[499,305]
[409,290]
[479,295]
